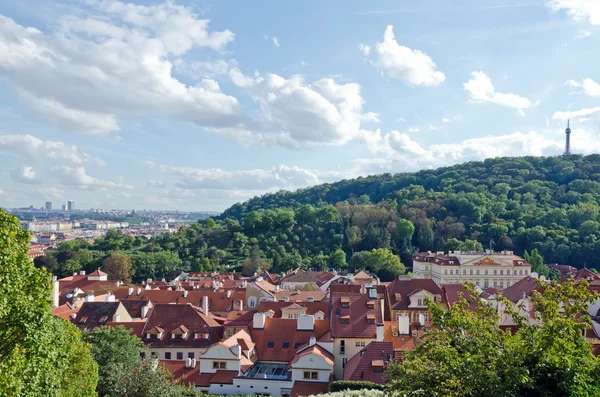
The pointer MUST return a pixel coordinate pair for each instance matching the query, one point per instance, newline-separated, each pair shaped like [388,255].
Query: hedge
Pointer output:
[341,385]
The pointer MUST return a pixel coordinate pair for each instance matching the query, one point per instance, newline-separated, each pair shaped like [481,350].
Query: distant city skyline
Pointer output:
[196,106]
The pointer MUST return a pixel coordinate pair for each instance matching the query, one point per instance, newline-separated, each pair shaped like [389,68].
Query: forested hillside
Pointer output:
[548,204]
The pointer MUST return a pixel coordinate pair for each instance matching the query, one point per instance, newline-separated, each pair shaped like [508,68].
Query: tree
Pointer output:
[150,379]
[467,354]
[387,265]
[255,263]
[405,229]
[117,353]
[37,352]
[337,259]
[537,263]
[359,261]
[47,262]
[118,266]
[210,223]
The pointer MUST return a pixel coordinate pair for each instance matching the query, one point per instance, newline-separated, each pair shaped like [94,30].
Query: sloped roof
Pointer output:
[135,328]
[453,291]
[300,296]
[134,307]
[65,311]
[358,326]
[277,307]
[515,292]
[172,317]
[360,367]
[95,314]
[314,349]
[302,276]
[181,374]
[280,331]
[97,272]
[407,287]
[305,389]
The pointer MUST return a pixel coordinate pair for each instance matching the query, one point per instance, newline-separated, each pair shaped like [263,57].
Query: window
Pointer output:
[420,302]
[486,272]
[515,272]
[451,272]
[360,344]
[464,272]
[471,272]
[271,344]
[486,285]
[378,369]
[477,283]
[478,272]
[191,355]
[297,345]
[344,361]
[445,271]
[495,272]
[520,272]
[180,356]
[252,301]
[219,364]
[501,271]
[154,355]
[311,375]
[167,355]
[286,345]
[525,271]
[501,284]
[343,347]
[495,284]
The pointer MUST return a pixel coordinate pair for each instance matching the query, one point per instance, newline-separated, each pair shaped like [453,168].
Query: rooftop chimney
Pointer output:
[422,319]
[306,322]
[228,293]
[149,281]
[144,310]
[379,333]
[89,297]
[110,297]
[82,273]
[312,341]
[130,291]
[185,294]
[240,305]
[139,291]
[258,320]
[205,304]
[403,325]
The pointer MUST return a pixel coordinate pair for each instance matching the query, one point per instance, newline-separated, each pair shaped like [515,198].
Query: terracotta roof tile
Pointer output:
[363,366]
[95,314]
[305,389]
[356,314]
[515,292]
[300,296]
[223,377]
[400,291]
[311,307]
[182,374]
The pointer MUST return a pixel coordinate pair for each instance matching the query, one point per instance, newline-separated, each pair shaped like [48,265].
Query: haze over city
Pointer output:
[188,105]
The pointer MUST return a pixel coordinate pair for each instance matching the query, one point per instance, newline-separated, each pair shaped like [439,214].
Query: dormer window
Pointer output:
[345,303]
[103,319]
[345,319]
[371,319]
[377,366]
[370,305]
[201,335]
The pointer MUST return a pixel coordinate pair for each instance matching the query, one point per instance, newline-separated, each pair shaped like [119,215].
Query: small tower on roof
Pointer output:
[568,139]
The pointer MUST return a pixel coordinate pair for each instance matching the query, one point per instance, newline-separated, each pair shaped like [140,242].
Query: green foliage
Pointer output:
[467,354]
[346,385]
[39,354]
[118,267]
[47,262]
[255,264]
[537,263]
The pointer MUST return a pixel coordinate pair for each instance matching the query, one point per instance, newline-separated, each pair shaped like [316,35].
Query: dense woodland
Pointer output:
[549,205]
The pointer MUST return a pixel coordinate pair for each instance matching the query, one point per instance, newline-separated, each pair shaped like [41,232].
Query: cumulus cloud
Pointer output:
[589,86]
[78,177]
[399,62]
[51,192]
[1,192]
[155,183]
[247,181]
[25,174]
[481,89]
[32,148]
[399,152]
[581,115]
[579,10]
[114,58]
[296,113]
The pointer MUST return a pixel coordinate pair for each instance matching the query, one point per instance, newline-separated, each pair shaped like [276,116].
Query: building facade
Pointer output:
[484,269]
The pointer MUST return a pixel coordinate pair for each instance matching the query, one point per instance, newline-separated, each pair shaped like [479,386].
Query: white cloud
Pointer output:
[154,183]
[481,89]
[590,87]
[275,41]
[1,192]
[25,174]
[77,176]
[579,10]
[581,115]
[446,120]
[397,151]
[33,148]
[112,59]
[204,69]
[51,192]
[399,62]
[255,181]
[296,113]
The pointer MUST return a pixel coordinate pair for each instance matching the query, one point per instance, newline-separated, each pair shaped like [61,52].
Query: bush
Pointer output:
[342,385]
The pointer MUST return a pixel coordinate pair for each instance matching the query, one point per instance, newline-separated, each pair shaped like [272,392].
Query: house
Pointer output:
[357,316]
[301,296]
[46,238]
[79,285]
[408,297]
[300,278]
[96,314]
[179,331]
[518,295]
[137,309]
[370,364]
[237,321]
[484,269]
[293,310]
[260,291]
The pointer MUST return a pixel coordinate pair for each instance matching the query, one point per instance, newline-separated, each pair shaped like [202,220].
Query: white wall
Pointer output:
[160,352]
[311,362]
[249,386]
[218,353]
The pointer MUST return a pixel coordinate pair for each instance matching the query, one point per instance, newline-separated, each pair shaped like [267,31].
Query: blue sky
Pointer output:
[196,105]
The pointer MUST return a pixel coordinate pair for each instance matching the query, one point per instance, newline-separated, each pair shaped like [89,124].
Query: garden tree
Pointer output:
[38,353]
[385,264]
[255,263]
[467,354]
[47,262]
[337,259]
[359,261]
[118,267]
[210,223]
[117,353]
[251,221]
[537,262]
[69,267]
[405,229]
[151,379]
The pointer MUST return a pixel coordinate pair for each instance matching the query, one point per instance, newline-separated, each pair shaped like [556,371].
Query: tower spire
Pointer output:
[568,139]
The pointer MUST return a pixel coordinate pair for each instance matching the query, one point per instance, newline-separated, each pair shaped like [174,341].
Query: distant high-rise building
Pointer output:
[568,139]
[71,205]
[64,207]
[48,206]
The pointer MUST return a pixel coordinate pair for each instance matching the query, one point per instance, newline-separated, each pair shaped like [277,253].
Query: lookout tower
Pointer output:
[568,139]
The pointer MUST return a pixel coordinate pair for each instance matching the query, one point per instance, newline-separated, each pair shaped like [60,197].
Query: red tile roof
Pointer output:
[361,366]
[97,272]
[181,374]
[280,331]
[302,276]
[400,291]
[358,326]
[65,311]
[172,317]
[135,328]
[453,291]
[515,292]
[300,296]
[311,307]
[305,389]
[95,314]
[314,349]
[223,377]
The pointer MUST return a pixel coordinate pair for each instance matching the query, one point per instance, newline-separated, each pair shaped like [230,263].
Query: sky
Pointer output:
[197,105]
